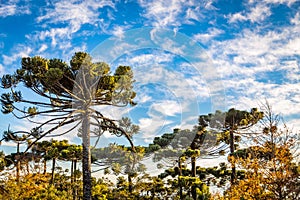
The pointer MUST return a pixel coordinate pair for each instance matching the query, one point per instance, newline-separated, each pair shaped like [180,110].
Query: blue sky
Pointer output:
[200,55]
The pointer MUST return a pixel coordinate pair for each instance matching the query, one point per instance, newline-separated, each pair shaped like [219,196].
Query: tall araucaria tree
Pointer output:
[231,125]
[67,96]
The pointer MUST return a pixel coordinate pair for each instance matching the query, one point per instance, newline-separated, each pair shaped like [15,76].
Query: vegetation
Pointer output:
[263,167]
[66,96]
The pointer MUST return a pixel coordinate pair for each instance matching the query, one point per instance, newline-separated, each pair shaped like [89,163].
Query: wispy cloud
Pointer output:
[296,20]
[173,13]
[251,51]
[152,127]
[288,2]
[61,22]
[20,51]
[56,34]
[148,59]
[258,13]
[250,63]
[162,13]
[13,7]
[118,31]
[73,13]
[209,36]
[167,108]
[43,48]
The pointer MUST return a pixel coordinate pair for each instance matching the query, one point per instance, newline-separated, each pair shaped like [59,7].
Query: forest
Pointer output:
[261,151]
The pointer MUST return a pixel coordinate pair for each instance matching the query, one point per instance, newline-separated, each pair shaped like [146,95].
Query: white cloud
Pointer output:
[150,59]
[210,35]
[256,14]
[292,68]
[42,48]
[193,14]
[11,8]
[152,126]
[119,50]
[174,82]
[293,46]
[74,13]
[55,34]
[259,13]
[249,93]
[167,108]
[142,98]
[118,31]
[288,2]
[199,86]
[236,17]
[294,126]
[7,10]
[252,52]
[20,51]
[172,46]
[296,19]
[161,13]
[71,16]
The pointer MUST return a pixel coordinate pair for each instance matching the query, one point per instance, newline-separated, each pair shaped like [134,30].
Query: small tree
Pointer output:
[120,156]
[19,138]
[42,149]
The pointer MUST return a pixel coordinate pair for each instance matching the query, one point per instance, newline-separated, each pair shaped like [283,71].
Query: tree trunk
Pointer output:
[45,166]
[86,159]
[18,163]
[73,179]
[72,172]
[179,181]
[129,183]
[193,162]
[53,170]
[233,173]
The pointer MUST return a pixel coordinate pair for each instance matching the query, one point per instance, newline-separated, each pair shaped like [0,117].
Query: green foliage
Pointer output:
[51,193]
[192,153]
[32,111]
[101,190]
[79,60]
[2,161]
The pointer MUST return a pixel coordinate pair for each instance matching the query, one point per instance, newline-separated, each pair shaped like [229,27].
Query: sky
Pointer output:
[189,57]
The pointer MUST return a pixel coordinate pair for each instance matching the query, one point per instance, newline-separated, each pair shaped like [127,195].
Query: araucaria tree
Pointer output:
[231,125]
[66,96]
